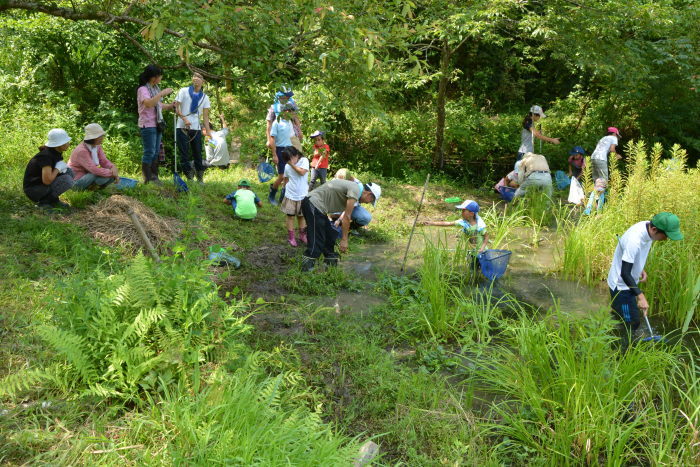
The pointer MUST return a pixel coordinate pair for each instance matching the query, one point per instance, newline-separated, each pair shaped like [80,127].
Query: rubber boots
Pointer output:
[200,176]
[302,236]
[273,194]
[154,173]
[290,238]
[146,170]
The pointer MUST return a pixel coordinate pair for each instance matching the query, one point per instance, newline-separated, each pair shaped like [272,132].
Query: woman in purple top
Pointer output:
[151,123]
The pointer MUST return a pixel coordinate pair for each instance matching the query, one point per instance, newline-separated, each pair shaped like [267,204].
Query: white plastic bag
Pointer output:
[576,195]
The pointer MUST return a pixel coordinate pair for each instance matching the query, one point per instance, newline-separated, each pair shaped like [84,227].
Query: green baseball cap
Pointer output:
[244,182]
[669,224]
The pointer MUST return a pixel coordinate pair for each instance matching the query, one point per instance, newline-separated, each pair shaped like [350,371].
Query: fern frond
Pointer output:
[20,381]
[71,347]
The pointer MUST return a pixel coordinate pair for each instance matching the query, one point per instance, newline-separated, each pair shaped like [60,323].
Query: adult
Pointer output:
[47,176]
[534,172]
[599,156]
[215,146]
[529,132]
[151,123]
[192,105]
[91,168]
[280,141]
[627,268]
[282,98]
[577,161]
[336,195]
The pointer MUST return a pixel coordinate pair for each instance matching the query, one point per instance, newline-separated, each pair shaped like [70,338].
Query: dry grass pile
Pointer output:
[108,221]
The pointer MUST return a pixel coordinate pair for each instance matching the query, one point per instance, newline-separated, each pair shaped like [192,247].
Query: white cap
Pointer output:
[469,205]
[536,109]
[376,191]
[93,131]
[57,137]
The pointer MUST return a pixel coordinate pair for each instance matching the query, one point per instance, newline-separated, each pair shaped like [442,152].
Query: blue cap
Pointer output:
[469,205]
[317,133]
[577,150]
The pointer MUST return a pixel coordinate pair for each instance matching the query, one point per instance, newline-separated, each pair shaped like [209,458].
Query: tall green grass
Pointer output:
[648,186]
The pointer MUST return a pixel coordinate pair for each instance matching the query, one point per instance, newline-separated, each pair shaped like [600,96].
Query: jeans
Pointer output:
[536,179]
[318,174]
[189,143]
[321,235]
[359,218]
[49,193]
[88,179]
[150,138]
[599,169]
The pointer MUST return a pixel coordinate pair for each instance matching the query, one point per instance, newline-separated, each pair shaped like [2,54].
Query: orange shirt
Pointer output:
[322,150]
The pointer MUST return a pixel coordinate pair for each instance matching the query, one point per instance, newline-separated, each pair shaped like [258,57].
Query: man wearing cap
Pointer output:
[534,172]
[244,201]
[90,166]
[47,176]
[599,157]
[627,267]
[528,133]
[334,196]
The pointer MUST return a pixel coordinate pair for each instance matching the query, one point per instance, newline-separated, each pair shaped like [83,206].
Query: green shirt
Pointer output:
[333,196]
[245,204]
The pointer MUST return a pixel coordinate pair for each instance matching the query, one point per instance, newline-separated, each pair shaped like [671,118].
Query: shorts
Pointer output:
[291,207]
[281,162]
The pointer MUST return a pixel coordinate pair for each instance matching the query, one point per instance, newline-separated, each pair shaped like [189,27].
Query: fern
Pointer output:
[20,381]
[71,347]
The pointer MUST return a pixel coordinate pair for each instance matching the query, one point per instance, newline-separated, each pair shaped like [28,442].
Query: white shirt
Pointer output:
[183,97]
[297,187]
[216,149]
[633,247]
[600,153]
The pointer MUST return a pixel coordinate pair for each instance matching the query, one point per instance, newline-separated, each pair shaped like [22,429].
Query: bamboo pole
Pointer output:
[142,233]
[408,246]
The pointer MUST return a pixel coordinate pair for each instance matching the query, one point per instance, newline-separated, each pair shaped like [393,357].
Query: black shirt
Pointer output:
[32,174]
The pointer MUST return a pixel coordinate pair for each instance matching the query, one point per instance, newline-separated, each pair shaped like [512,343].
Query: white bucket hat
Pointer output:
[93,131]
[57,137]
[536,109]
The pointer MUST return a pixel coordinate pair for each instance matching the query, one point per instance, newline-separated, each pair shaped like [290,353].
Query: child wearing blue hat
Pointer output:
[473,226]
[577,161]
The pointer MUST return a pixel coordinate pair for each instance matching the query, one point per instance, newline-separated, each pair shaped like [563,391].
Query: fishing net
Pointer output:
[108,221]
[494,263]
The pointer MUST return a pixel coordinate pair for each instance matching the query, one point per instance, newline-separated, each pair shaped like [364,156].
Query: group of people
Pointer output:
[532,170]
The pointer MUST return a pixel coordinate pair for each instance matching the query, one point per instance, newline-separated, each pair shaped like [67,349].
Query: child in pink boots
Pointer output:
[297,188]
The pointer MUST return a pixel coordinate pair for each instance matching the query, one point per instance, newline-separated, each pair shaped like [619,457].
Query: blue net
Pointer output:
[180,184]
[563,180]
[265,172]
[125,183]
[494,263]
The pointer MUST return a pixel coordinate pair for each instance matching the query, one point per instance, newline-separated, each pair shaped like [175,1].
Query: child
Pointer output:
[471,223]
[320,160]
[297,188]
[576,161]
[244,201]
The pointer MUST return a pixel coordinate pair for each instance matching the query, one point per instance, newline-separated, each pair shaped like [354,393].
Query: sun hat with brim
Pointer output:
[317,133]
[469,205]
[244,182]
[57,137]
[577,150]
[93,131]
[612,129]
[536,109]
[669,224]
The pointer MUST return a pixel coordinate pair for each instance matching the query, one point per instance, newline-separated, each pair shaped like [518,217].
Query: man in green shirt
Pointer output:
[335,196]
[244,201]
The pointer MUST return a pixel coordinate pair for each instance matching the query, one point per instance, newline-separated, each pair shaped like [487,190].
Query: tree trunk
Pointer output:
[439,151]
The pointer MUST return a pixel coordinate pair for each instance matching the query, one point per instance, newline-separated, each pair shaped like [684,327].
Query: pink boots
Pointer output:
[302,236]
[292,241]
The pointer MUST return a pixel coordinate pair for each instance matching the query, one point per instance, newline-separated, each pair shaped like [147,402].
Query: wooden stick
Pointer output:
[408,246]
[142,233]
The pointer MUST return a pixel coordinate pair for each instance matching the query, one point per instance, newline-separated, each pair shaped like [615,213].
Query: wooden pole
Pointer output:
[142,233]
[408,246]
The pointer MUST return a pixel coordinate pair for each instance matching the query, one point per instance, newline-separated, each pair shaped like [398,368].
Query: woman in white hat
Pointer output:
[529,132]
[47,176]
[91,168]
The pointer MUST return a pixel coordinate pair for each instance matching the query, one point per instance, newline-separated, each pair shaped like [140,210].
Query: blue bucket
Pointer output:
[126,183]
[265,172]
[563,180]
[507,193]
[494,263]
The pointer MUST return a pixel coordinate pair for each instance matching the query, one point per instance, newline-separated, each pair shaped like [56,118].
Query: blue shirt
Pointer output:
[282,130]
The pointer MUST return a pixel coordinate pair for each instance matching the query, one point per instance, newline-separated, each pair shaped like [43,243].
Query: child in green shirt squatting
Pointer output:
[472,225]
[244,201]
